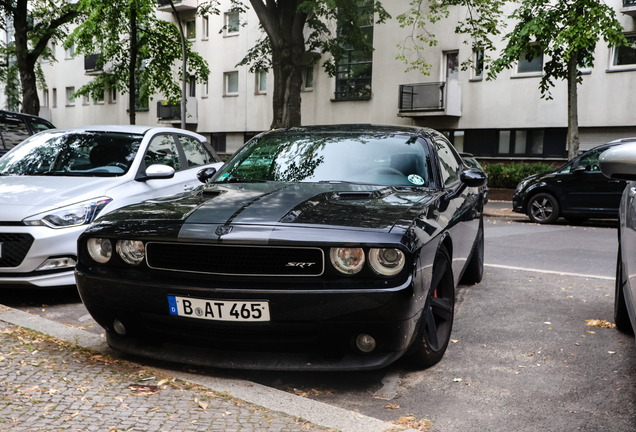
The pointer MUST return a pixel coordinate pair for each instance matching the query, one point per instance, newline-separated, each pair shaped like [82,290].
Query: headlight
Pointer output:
[70,216]
[131,251]
[386,262]
[347,260]
[100,249]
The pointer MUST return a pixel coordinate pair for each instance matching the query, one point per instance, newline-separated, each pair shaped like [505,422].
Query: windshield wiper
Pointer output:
[241,180]
[343,182]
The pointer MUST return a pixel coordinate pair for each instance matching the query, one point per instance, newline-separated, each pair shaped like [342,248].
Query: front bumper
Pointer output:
[47,243]
[517,203]
[309,329]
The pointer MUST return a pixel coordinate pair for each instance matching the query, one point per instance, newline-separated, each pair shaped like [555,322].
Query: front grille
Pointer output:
[13,249]
[235,260]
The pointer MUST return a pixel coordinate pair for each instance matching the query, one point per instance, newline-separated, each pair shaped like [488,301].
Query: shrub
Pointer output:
[509,175]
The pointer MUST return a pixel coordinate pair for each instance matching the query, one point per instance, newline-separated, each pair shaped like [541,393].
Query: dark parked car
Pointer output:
[471,162]
[16,127]
[319,248]
[577,191]
[620,163]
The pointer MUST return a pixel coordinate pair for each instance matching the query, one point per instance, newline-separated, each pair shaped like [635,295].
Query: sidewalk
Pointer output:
[502,209]
[70,383]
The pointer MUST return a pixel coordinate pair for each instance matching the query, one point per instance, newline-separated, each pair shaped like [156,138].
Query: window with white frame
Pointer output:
[528,64]
[232,23]
[70,96]
[45,98]
[308,78]
[261,82]
[70,51]
[99,98]
[54,101]
[625,56]
[192,84]
[191,29]
[205,89]
[86,100]
[205,21]
[112,95]
[231,81]
[478,64]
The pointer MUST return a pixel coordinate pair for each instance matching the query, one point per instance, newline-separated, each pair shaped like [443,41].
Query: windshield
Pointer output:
[388,159]
[84,154]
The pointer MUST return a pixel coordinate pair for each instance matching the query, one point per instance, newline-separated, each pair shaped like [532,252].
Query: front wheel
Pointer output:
[543,208]
[621,316]
[437,316]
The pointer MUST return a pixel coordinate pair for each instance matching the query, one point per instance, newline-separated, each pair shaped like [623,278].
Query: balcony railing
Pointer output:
[629,7]
[179,5]
[172,112]
[426,99]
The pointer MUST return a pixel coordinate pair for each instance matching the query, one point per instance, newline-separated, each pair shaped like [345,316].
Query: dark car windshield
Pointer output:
[84,154]
[385,159]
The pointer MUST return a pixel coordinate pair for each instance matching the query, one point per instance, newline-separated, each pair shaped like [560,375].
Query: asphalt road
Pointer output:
[524,358]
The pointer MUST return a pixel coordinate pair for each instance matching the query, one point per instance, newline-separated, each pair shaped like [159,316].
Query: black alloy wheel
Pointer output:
[543,208]
[621,316]
[437,316]
[474,272]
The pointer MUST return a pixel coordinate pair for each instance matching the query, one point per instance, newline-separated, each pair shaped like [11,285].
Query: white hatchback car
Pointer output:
[57,182]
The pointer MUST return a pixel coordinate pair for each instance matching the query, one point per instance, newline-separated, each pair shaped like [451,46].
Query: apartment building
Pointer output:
[502,119]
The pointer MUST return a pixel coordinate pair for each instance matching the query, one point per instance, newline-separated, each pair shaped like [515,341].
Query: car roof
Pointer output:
[131,129]
[357,128]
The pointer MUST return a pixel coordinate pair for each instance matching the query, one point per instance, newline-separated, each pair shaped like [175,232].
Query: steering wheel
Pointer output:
[384,170]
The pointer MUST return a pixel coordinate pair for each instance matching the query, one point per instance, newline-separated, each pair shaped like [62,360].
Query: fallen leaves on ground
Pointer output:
[392,406]
[411,422]
[600,323]
[312,392]
[144,389]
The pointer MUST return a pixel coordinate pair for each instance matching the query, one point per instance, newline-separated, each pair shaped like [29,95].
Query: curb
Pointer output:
[316,412]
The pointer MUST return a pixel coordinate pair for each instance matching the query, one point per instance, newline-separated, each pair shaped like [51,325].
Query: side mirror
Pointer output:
[619,162]
[473,177]
[157,171]
[579,169]
[206,174]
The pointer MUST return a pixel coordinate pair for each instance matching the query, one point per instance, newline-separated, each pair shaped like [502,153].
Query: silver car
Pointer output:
[54,184]
[620,163]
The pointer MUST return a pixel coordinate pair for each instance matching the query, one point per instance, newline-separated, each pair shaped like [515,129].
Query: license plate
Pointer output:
[219,310]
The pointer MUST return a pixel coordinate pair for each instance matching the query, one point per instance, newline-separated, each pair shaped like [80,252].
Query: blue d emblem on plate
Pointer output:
[416,180]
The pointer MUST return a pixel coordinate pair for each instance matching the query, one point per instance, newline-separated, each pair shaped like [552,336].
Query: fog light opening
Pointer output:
[365,343]
[119,327]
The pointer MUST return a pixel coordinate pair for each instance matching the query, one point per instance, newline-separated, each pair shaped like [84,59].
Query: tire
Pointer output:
[621,316]
[543,208]
[474,272]
[436,322]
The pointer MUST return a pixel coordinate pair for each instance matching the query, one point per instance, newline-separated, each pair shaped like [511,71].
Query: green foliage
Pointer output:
[509,175]
[482,22]
[12,88]
[562,30]
[106,31]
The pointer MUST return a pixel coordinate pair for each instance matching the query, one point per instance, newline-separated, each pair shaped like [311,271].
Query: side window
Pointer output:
[14,131]
[590,161]
[449,165]
[39,126]
[163,150]
[195,151]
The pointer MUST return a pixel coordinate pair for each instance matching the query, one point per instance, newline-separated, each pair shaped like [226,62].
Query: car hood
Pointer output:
[321,205]
[24,196]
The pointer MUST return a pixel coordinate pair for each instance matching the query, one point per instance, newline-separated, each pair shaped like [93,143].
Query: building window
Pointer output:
[625,55]
[524,143]
[478,64]
[205,89]
[232,23]
[70,98]
[353,70]
[193,86]
[534,66]
[112,96]
[231,83]
[45,98]
[53,49]
[86,100]
[99,98]
[141,96]
[261,82]
[504,142]
[205,21]
[70,52]
[191,29]
[218,141]
[54,101]
[308,78]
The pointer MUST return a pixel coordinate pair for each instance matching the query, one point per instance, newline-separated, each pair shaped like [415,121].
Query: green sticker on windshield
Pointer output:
[223,177]
[416,180]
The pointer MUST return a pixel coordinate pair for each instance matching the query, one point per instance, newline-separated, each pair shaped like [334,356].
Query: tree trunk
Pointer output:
[26,64]
[573,116]
[287,83]
[133,63]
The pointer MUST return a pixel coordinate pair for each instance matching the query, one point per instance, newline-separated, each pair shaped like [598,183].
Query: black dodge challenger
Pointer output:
[313,248]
